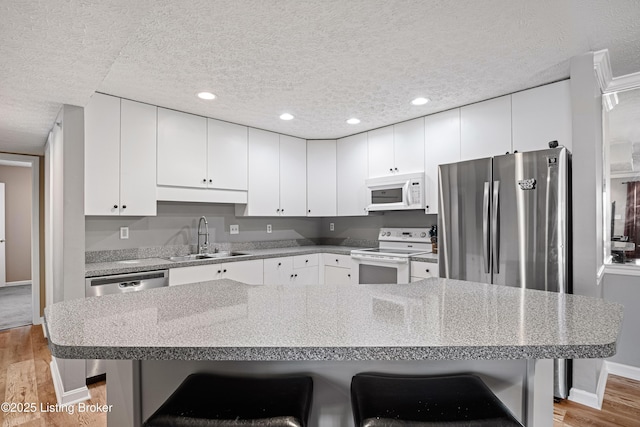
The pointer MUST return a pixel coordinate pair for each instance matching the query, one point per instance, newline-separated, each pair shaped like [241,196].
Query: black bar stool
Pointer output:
[207,400]
[451,400]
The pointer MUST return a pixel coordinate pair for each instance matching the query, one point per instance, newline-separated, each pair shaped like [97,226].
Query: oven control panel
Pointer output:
[418,235]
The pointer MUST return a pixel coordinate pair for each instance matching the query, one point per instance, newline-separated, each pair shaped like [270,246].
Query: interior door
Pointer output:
[530,240]
[3,272]
[463,222]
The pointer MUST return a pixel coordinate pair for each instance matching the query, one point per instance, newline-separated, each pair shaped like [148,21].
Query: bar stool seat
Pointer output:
[208,400]
[404,400]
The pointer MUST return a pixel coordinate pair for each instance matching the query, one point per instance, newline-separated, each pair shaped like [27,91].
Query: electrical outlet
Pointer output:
[234,229]
[269,230]
[331,227]
[124,232]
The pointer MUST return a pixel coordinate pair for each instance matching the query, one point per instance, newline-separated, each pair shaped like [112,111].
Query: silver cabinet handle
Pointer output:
[485,228]
[495,224]
[2,240]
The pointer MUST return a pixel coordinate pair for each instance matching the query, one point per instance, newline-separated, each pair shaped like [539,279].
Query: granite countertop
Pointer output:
[149,264]
[430,319]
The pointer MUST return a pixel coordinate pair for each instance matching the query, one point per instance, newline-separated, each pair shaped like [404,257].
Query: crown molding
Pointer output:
[606,81]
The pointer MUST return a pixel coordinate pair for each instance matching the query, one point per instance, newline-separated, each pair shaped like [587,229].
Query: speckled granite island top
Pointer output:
[431,319]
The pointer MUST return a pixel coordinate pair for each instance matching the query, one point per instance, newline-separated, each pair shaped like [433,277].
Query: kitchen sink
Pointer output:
[196,257]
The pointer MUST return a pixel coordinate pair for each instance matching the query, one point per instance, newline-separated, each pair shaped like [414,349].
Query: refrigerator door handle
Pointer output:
[485,228]
[495,227]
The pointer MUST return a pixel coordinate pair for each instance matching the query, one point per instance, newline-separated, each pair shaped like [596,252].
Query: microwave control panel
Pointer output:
[416,192]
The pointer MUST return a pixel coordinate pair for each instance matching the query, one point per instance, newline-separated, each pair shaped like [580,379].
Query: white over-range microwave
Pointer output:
[396,192]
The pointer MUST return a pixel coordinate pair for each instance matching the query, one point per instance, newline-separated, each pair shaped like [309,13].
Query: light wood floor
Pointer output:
[25,378]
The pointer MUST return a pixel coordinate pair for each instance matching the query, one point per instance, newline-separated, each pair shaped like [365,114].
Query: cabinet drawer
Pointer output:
[343,261]
[198,273]
[303,261]
[424,270]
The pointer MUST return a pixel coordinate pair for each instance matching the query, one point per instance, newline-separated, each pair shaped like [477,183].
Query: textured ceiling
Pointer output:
[323,61]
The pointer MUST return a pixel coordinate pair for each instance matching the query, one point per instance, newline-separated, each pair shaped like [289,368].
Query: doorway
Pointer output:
[19,241]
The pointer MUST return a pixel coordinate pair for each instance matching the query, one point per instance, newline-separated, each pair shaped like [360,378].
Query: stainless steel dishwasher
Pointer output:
[117,284]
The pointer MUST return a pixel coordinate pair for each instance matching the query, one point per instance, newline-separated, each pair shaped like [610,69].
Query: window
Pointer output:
[621,124]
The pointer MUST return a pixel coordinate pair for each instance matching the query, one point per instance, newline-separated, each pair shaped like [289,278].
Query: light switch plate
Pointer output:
[234,229]
[124,232]
[331,227]
[269,229]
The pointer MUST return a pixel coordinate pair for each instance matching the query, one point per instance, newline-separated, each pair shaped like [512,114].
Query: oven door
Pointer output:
[380,270]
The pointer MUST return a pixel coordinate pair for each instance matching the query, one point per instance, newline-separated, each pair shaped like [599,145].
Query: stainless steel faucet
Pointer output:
[204,248]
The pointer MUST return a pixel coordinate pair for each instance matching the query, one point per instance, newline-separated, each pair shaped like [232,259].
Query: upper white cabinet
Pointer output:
[321,178]
[485,128]
[293,176]
[120,151]
[540,115]
[226,155]
[277,175]
[182,149]
[442,146]
[352,173]
[380,151]
[396,149]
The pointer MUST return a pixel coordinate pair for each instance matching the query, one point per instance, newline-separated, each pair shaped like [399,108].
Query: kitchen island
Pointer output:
[506,335]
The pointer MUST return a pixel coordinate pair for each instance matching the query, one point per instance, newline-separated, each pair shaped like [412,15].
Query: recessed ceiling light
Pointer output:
[206,95]
[353,121]
[420,101]
[286,116]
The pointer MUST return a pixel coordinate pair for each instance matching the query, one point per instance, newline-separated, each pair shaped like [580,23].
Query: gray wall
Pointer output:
[176,224]
[625,290]
[367,227]
[17,180]
[588,251]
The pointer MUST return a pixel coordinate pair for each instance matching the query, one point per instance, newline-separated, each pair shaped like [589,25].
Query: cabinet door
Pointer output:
[485,128]
[380,151]
[306,276]
[541,115]
[293,176]
[336,275]
[249,272]
[138,159]
[102,156]
[408,146]
[442,146]
[424,270]
[226,155]
[182,149]
[194,274]
[321,178]
[278,271]
[263,197]
[352,173]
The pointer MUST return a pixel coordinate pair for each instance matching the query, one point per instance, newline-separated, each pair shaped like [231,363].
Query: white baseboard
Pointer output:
[66,397]
[44,330]
[18,283]
[626,371]
[584,398]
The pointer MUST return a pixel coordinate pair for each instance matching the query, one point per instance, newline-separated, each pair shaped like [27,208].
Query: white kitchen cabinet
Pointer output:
[293,176]
[321,178]
[278,271]
[423,270]
[408,146]
[442,146]
[380,152]
[120,152]
[182,149]
[540,115]
[306,270]
[249,272]
[336,275]
[352,172]
[227,150]
[263,198]
[396,149]
[485,128]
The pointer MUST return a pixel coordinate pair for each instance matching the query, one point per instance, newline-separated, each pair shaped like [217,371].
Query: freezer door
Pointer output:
[529,220]
[464,194]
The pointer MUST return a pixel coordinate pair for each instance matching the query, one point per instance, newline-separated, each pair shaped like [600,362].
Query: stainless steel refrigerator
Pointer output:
[505,220]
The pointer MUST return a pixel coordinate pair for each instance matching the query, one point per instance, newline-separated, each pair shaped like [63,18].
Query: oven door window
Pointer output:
[376,274]
[389,195]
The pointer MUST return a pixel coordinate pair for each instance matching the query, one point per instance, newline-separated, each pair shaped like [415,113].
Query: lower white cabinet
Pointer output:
[249,272]
[299,269]
[336,269]
[423,270]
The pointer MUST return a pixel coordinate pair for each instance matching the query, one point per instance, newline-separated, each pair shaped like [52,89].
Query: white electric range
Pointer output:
[389,262]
